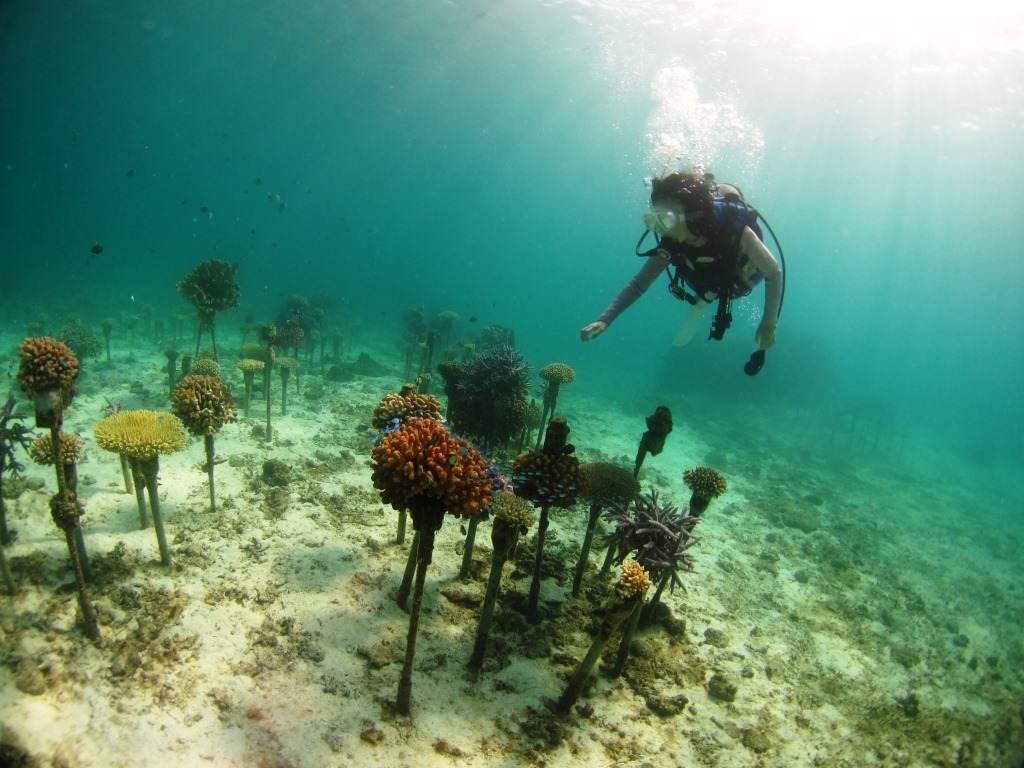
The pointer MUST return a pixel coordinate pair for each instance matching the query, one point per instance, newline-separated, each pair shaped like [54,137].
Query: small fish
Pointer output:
[453,460]
[472,318]
[96,249]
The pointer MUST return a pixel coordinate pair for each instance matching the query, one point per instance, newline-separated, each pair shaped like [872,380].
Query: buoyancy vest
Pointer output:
[717,268]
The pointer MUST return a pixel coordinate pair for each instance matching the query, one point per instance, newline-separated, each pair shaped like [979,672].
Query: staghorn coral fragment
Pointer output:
[624,603]
[659,535]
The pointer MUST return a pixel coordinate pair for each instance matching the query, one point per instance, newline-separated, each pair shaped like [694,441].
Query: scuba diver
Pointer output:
[709,242]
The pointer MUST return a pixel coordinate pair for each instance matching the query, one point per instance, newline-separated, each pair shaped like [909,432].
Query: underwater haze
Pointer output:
[492,158]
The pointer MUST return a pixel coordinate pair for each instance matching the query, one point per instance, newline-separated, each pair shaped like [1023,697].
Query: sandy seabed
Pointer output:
[857,602]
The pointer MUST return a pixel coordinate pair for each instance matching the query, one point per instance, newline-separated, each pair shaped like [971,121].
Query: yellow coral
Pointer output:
[41,449]
[512,509]
[705,482]
[558,372]
[634,581]
[205,366]
[251,366]
[140,434]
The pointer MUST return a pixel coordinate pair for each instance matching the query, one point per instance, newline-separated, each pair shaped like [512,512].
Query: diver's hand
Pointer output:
[592,331]
[765,336]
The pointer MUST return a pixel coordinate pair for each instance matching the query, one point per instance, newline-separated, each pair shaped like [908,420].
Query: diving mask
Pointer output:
[661,221]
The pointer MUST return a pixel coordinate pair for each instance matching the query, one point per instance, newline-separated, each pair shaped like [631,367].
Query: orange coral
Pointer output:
[47,365]
[422,459]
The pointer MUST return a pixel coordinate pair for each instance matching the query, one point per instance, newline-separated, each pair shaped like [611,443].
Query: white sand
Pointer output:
[274,639]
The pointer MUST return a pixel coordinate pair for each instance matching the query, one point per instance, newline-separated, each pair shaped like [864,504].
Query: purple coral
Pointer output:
[659,534]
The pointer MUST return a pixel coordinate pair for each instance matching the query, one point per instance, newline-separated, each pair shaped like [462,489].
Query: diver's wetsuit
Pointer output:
[656,264]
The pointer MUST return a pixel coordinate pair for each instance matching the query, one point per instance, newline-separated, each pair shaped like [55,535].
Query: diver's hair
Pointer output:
[690,190]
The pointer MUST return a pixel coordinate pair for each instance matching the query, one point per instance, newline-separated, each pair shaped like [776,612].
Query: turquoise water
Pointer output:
[496,153]
[490,158]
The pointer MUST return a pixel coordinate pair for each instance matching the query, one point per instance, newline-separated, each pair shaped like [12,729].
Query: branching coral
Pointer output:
[625,602]
[606,484]
[513,510]
[487,397]
[70,448]
[422,461]
[140,434]
[634,580]
[290,335]
[423,467]
[205,366]
[511,516]
[706,484]
[497,336]
[212,288]
[549,477]
[204,404]
[46,364]
[547,481]
[47,373]
[82,339]
[554,376]
[560,373]
[405,405]
[659,535]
